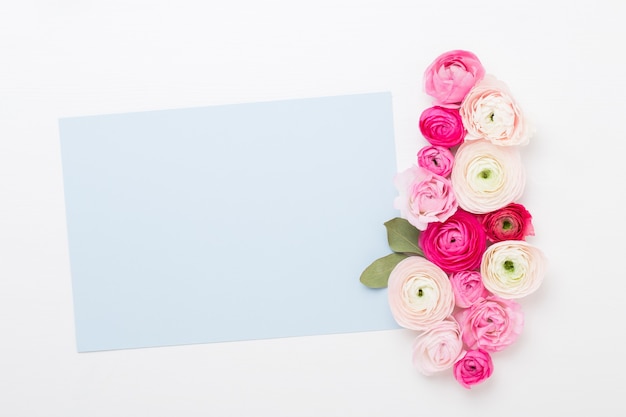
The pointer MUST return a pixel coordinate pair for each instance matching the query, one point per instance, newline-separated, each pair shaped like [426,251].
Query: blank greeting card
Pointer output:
[226,223]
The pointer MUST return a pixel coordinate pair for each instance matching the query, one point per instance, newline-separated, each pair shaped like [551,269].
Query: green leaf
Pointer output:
[377,273]
[403,237]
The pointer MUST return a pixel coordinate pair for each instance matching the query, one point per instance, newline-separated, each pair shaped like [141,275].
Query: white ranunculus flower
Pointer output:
[420,293]
[487,177]
[513,268]
[490,112]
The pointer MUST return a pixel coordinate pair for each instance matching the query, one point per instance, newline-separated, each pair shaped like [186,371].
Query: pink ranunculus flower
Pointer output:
[492,323]
[489,112]
[436,159]
[487,177]
[512,222]
[513,268]
[442,126]
[424,197]
[475,367]
[451,76]
[455,245]
[438,348]
[420,294]
[468,287]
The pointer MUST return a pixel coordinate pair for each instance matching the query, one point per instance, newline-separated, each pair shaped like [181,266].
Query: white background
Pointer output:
[564,62]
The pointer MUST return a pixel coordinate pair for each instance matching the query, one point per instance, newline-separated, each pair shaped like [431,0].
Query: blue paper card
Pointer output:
[226,223]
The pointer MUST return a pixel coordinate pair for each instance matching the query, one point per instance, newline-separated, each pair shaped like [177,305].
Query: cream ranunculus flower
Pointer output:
[420,293]
[487,177]
[490,112]
[513,268]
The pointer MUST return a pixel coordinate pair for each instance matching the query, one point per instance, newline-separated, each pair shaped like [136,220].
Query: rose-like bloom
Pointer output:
[475,367]
[492,323]
[424,197]
[490,112]
[438,348]
[513,268]
[486,177]
[436,159]
[456,244]
[468,288]
[420,294]
[512,222]
[451,76]
[442,126]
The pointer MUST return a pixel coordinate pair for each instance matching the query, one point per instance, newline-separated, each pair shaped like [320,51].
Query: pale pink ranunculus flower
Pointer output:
[438,348]
[451,76]
[436,159]
[468,287]
[424,197]
[419,293]
[486,177]
[513,268]
[489,112]
[473,368]
[492,323]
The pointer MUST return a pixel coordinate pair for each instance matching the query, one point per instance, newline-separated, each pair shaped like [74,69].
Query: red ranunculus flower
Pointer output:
[512,222]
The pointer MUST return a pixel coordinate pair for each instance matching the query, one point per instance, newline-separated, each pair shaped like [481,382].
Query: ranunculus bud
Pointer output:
[436,159]
[451,75]
[475,367]
[442,126]
[468,287]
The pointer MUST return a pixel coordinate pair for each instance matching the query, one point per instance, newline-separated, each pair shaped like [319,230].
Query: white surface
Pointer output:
[564,63]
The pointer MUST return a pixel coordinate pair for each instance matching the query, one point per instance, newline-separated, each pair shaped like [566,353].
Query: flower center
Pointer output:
[485,173]
[507,224]
[491,115]
[509,265]
[420,292]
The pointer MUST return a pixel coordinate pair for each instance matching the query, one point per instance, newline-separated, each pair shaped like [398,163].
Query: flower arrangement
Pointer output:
[460,258]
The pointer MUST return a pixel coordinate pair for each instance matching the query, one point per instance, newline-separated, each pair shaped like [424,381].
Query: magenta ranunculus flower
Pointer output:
[512,222]
[468,287]
[438,348]
[475,367]
[442,126]
[491,324]
[451,76]
[436,159]
[424,197]
[455,245]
